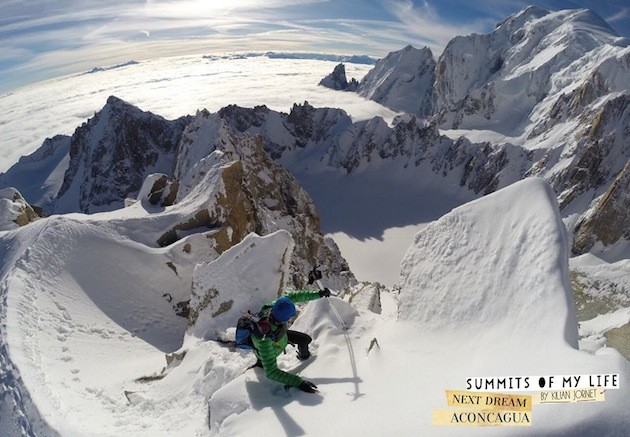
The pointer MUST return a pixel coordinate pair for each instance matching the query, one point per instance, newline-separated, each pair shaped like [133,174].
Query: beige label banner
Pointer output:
[569,396]
[488,401]
[481,418]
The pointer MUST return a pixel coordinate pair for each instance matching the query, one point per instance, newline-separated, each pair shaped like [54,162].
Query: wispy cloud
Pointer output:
[57,38]
[621,15]
[422,21]
[41,39]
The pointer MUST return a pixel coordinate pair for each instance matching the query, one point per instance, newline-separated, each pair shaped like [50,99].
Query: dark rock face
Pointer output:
[600,153]
[609,220]
[112,153]
[242,119]
[301,120]
[162,192]
[337,80]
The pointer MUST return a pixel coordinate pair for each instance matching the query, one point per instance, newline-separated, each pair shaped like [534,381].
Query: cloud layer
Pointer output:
[41,39]
[44,39]
[171,87]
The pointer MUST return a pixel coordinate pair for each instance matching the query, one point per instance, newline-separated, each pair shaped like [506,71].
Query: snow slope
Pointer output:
[402,81]
[84,310]
[508,321]
[85,316]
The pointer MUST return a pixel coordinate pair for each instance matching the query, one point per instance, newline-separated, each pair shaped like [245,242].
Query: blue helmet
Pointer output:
[283,309]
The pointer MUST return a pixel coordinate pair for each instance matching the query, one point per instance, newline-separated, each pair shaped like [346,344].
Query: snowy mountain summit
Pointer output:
[507,80]
[547,91]
[401,81]
[118,302]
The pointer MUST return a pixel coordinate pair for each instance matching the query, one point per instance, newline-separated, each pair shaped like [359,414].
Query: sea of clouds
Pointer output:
[171,87]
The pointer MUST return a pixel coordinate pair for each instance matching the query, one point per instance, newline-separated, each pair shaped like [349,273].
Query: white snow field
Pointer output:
[484,293]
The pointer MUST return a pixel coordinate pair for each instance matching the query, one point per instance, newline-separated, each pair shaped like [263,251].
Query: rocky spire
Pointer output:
[337,80]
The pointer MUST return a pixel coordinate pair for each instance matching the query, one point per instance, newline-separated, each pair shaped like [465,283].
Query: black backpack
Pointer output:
[244,328]
[256,324]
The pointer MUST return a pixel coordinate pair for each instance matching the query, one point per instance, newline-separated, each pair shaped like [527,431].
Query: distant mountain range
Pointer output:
[352,59]
[548,95]
[545,94]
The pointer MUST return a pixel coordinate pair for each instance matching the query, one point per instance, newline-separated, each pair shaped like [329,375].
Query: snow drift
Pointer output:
[500,262]
[245,277]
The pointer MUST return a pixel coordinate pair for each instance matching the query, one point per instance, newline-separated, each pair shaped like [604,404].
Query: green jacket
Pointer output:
[268,350]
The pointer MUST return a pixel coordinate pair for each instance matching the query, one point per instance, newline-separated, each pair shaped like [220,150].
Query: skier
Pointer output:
[271,337]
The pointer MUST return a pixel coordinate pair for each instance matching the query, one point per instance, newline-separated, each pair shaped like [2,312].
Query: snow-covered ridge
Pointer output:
[102,171]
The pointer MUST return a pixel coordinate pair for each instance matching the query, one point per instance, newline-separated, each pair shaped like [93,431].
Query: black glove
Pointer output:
[324,293]
[314,275]
[308,387]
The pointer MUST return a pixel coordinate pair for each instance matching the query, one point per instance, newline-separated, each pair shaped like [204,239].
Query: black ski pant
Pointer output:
[300,340]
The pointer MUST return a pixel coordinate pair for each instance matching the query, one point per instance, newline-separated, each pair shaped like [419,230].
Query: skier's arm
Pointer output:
[302,295]
[267,356]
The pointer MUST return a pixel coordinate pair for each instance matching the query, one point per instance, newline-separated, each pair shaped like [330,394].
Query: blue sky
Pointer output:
[42,39]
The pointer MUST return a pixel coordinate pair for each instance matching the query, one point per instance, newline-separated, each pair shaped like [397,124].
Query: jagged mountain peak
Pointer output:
[410,54]
[117,105]
[402,80]
[112,153]
[240,118]
[518,19]
[113,100]
[256,194]
[497,80]
[337,80]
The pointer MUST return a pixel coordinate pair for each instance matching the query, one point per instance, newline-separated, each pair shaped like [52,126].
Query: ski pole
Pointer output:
[335,312]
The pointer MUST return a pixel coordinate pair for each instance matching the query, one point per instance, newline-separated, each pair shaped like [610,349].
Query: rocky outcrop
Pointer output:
[609,220]
[337,80]
[367,295]
[256,194]
[159,189]
[14,210]
[598,156]
[247,276]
